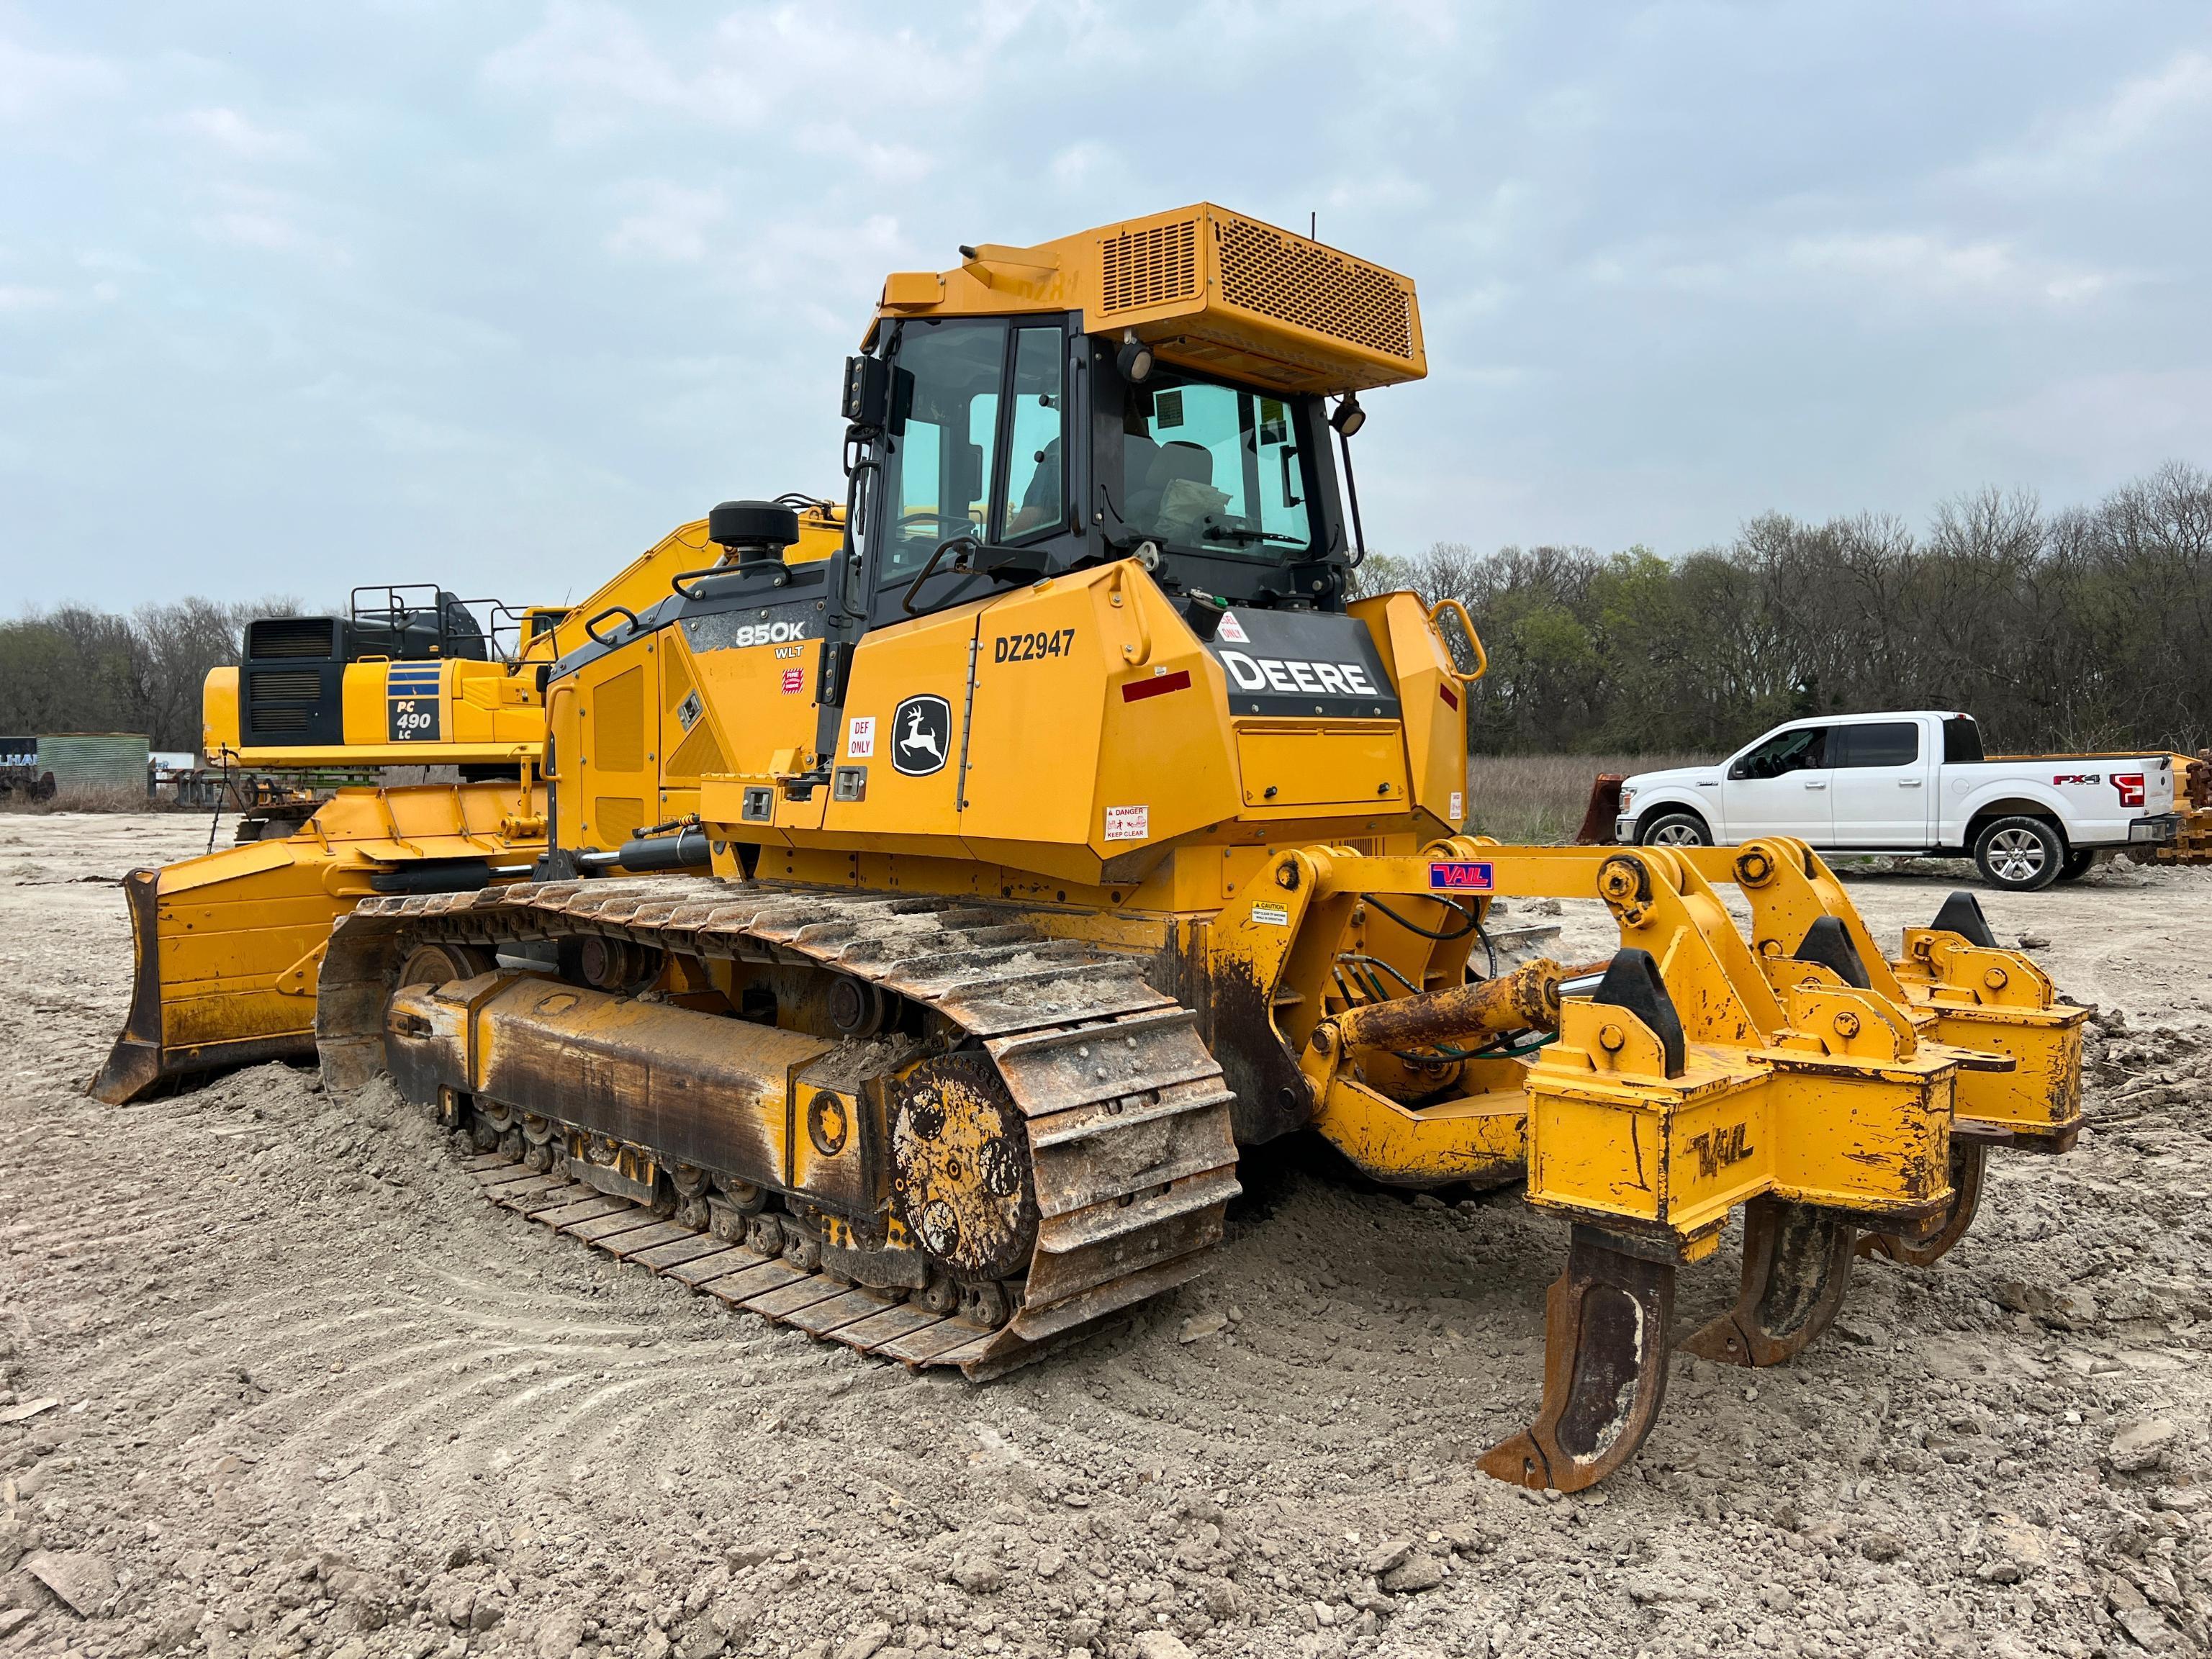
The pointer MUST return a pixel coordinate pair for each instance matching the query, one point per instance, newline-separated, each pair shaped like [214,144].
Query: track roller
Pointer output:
[1609,1320]
[1797,1265]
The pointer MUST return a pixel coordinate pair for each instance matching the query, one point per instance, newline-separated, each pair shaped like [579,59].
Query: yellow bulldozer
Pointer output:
[921,930]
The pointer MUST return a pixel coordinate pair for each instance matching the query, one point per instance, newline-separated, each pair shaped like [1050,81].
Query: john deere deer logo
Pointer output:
[922,729]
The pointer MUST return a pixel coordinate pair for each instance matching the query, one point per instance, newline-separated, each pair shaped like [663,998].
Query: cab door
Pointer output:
[1780,787]
[1879,774]
[617,771]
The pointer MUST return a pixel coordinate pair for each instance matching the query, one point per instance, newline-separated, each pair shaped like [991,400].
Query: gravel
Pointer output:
[313,1396]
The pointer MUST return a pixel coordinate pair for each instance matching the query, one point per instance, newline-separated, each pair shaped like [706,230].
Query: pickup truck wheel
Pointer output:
[1676,830]
[2077,865]
[2020,854]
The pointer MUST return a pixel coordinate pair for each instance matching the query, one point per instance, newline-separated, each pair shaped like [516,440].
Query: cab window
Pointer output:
[945,439]
[1214,469]
[1036,494]
[1801,750]
[1886,743]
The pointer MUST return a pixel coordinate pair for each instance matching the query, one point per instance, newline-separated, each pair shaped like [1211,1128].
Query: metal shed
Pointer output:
[95,760]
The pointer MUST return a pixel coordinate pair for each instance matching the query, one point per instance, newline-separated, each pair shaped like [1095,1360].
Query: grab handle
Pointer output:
[1474,640]
[592,628]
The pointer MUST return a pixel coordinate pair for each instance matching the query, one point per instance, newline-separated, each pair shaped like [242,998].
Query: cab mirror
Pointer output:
[867,392]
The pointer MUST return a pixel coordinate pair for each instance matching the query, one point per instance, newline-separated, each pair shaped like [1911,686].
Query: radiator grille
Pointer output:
[271,722]
[616,818]
[1292,280]
[284,685]
[1153,267]
[290,636]
[618,724]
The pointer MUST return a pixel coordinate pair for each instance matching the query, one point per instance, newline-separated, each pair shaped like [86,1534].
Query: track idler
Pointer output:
[1925,1248]
[1797,1265]
[1608,1322]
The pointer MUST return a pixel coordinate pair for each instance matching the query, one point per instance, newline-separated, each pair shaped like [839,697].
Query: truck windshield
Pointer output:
[1215,469]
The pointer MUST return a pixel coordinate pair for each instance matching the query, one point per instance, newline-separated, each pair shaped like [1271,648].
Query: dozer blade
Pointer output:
[1925,1248]
[223,971]
[228,946]
[1796,1264]
[1608,1321]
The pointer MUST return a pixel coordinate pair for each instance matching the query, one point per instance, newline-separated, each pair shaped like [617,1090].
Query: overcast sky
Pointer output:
[494,293]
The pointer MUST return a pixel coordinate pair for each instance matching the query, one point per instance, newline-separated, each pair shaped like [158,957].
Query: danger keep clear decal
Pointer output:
[1128,823]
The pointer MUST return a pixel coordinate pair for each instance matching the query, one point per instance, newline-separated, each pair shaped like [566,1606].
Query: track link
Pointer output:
[1126,1111]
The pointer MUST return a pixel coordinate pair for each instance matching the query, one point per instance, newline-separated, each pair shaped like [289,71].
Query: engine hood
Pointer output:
[1684,777]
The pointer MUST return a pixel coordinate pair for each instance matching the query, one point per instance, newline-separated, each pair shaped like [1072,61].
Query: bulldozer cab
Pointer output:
[1024,436]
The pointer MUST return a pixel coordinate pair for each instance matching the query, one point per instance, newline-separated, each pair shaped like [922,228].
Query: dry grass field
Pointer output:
[1540,797]
[90,798]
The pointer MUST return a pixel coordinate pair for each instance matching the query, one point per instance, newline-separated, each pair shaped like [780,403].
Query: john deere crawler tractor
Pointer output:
[1070,827]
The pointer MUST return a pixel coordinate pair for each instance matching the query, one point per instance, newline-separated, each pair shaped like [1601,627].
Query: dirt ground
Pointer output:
[315,1396]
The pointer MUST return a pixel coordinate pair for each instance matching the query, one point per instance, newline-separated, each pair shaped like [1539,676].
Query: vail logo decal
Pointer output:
[1718,1148]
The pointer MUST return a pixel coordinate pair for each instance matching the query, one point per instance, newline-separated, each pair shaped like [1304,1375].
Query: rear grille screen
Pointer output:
[273,720]
[1294,282]
[280,685]
[290,636]
[1152,267]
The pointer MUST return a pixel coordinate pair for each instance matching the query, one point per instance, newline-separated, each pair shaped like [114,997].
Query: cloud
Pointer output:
[601,73]
[1083,164]
[2081,146]
[889,164]
[264,221]
[590,52]
[672,223]
[226,131]
[34,85]
[1895,270]
[1678,263]
[1909,266]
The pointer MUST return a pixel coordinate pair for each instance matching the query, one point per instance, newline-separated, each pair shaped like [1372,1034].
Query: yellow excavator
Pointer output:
[228,945]
[922,930]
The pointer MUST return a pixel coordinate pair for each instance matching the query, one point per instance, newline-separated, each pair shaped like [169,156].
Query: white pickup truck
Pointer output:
[1912,783]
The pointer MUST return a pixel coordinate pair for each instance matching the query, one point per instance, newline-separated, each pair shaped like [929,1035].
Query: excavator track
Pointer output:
[1124,1111]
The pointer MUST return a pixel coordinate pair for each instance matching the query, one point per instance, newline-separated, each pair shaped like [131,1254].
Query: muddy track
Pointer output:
[1126,1112]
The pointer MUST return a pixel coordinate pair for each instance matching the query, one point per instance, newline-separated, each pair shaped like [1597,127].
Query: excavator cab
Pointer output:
[416,622]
